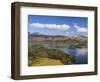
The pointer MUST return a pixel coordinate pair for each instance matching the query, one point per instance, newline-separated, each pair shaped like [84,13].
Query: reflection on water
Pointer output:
[80,54]
[81,51]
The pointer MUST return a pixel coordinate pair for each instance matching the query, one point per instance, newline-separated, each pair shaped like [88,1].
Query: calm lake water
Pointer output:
[80,54]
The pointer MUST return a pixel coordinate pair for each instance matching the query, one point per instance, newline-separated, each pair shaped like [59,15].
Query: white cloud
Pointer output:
[72,32]
[50,26]
[80,29]
[67,32]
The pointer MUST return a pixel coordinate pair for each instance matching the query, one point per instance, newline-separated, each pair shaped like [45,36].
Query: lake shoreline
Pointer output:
[42,52]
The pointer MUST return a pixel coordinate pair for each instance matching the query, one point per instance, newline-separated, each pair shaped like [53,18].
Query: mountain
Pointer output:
[77,41]
[43,37]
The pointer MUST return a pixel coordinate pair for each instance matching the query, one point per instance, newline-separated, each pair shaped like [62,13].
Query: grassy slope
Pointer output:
[40,56]
[45,62]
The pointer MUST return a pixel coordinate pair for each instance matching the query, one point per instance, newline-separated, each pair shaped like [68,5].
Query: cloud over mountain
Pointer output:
[80,29]
[50,26]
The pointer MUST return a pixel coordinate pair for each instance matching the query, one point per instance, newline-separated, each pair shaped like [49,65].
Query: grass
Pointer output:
[45,62]
[41,56]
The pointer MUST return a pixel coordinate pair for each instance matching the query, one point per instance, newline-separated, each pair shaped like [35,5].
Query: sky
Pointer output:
[58,25]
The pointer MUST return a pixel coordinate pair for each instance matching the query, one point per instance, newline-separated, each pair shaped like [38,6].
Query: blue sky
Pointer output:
[58,25]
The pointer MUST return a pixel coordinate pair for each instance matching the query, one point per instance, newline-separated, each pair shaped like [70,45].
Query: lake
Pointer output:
[81,54]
